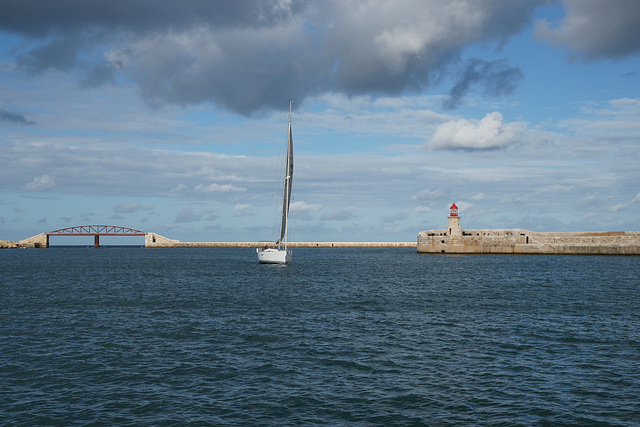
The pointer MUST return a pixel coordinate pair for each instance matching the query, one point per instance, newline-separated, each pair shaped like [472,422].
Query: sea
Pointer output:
[373,337]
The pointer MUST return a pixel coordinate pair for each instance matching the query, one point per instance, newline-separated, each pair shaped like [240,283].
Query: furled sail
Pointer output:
[288,182]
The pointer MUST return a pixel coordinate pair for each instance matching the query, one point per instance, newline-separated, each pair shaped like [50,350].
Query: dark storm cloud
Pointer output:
[596,29]
[12,117]
[40,18]
[60,30]
[256,54]
[59,53]
[496,77]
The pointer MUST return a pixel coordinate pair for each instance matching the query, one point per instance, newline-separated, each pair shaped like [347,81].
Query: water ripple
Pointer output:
[128,336]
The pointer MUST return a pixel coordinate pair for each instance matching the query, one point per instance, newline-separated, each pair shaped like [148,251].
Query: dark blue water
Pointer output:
[134,336]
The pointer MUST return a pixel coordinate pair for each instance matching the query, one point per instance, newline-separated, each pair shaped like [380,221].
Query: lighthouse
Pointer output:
[454,221]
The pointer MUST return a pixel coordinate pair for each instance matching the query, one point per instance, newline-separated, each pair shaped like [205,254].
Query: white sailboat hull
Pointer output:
[274,256]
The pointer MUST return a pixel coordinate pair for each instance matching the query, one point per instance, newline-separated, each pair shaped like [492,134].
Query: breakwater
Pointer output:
[519,241]
[5,244]
[153,240]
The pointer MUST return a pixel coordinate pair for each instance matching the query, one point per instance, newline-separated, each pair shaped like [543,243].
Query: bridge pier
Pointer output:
[96,241]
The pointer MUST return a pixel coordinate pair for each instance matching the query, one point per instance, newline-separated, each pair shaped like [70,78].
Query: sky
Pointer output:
[171,117]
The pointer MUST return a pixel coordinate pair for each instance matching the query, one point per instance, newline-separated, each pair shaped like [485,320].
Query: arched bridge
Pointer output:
[96,231]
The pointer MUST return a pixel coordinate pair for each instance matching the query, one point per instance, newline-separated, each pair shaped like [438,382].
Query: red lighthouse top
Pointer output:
[453,210]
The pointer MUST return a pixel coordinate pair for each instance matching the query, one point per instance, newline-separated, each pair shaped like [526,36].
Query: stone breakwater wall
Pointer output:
[5,244]
[519,241]
[39,241]
[153,240]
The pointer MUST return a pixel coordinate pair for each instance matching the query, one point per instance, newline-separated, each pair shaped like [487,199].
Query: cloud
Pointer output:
[480,196]
[464,206]
[621,206]
[556,188]
[40,183]
[217,188]
[618,207]
[303,210]
[131,207]
[595,29]
[59,54]
[429,194]
[394,218]
[337,215]
[13,117]
[304,207]
[242,210]
[187,214]
[509,199]
[258,50]
[496,77]
[422,209]
[489,133]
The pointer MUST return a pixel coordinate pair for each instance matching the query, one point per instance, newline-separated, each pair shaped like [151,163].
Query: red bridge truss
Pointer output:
[96,231]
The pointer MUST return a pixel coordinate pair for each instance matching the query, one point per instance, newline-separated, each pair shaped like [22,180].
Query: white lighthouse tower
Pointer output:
[454,221]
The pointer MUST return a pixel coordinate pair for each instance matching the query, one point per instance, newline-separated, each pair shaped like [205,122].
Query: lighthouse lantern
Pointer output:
[453,211]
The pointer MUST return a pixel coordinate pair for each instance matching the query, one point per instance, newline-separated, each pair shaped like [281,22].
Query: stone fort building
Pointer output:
[455,240]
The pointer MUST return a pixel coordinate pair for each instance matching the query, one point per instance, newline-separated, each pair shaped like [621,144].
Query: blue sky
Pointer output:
[172,117]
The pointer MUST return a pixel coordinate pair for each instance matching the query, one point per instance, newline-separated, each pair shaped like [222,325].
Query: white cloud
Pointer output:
[241,206]
[40,183]
[621,206]
[618,207]
[217,188]
[305,207]
[490,132]
[480,196]
[180,188]
[464,206]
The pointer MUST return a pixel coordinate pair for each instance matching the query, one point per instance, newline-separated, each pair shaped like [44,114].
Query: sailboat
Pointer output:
[278,253]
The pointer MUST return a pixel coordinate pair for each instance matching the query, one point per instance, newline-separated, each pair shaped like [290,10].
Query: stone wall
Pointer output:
[153,240]
[519,241]
[5,244]
[38,241]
